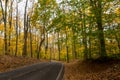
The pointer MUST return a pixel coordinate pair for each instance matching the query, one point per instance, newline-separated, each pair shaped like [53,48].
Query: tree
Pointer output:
[97,10]
[4,13]
[44,13]
[24,53]
[16,50]
[10,23]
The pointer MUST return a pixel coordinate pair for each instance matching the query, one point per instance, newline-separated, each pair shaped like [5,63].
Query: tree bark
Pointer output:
[66,43]
[31,48]
[39,50]
[5,28]
[25,31]
[10,25]
[74,46]
[97,7]
[84,35]
[46,44]
[16,50]
[59,46]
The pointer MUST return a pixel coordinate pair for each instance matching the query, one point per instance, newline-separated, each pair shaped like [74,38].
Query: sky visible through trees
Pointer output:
[60,29]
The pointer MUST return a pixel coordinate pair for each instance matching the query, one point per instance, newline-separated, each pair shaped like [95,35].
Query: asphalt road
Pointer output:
[41,71]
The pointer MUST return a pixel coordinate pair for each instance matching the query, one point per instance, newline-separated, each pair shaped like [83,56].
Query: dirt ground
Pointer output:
[92,70]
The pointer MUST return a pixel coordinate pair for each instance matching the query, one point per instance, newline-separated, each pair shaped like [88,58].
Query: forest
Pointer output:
[60,30]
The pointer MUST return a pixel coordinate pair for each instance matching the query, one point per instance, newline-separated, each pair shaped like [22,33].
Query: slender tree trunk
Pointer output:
[16,50]
[31,48]
[66,42]
[39,49]
[10,25]
[74,46]
[67,53]
[59,46]
[46,44]
[84,35]
[50,54]
[25,31]
[74,38]
[5,26]
[85,45]
[54,46]
[42,39]
[90,33]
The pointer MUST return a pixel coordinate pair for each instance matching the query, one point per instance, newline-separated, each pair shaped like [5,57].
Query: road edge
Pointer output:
[61,73]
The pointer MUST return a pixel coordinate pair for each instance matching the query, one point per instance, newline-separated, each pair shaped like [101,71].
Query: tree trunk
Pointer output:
[97,7]
[84,35]
[101,35]
[10,25]
[46,44]
[59,46]
[25,31]
[67,54]
[16,50]
[90,44]
[5,26]
[66,43]
[31,41]
[39,50]
[74,46]
[30,30]
[42,39]
[50,54]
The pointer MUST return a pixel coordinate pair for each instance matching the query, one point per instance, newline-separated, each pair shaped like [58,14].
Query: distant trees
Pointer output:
[63,30]
[43,14]
[4,14]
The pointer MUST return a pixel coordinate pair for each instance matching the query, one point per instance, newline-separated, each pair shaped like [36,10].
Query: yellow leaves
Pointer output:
[67,28]
[1,27]
[47,2]
[117,20]
[1,40]
[117,11]
[10,29]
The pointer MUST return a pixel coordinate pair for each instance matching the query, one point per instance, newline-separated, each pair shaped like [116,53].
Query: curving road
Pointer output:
[41,71]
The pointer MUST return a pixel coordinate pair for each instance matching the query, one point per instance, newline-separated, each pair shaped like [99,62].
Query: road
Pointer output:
[41,71]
